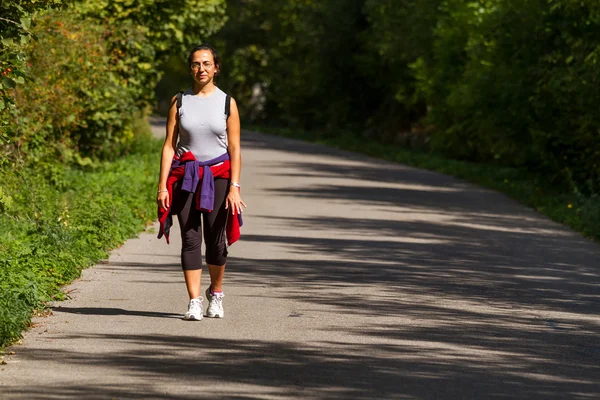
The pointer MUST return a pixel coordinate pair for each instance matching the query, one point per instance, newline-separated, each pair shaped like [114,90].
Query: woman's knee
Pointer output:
[216,254]
[190,241]
[191,250]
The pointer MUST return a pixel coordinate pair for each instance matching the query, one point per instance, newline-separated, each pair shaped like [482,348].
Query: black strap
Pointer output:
[179,96]
[227,106]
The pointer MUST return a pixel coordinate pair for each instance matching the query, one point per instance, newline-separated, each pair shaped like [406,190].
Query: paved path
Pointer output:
[354,279]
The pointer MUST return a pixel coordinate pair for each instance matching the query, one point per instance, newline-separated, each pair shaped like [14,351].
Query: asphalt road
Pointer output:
[354,279]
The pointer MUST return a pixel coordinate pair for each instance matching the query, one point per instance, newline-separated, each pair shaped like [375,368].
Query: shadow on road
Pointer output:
[115,311]
[501,303]
[325,372]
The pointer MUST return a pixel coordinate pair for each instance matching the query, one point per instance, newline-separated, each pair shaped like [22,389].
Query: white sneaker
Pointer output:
[215,305]
[194,312]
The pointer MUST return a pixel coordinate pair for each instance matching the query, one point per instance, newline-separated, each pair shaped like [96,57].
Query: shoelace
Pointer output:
[216,300]
[195,303]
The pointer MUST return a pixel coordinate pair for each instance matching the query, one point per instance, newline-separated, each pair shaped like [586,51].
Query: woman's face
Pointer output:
[203,67]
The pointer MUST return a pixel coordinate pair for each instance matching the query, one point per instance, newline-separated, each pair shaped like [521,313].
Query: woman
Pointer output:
[199,179]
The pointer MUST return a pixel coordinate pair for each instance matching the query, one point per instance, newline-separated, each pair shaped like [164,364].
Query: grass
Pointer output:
[580,213]
[58,220]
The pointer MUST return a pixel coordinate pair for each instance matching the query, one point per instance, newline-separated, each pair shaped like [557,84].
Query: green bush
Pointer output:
[62,222]
[78,102]
[168,29]
[91,70]
[171,27]
[15,25]
[515,82]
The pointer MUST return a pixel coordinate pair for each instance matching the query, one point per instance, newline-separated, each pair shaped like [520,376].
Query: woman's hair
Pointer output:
[205,46]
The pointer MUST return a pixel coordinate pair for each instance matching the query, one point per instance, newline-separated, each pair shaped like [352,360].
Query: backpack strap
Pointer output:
[227,106]
[179,97]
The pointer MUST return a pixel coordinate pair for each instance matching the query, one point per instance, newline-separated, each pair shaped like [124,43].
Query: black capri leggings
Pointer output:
[191,221]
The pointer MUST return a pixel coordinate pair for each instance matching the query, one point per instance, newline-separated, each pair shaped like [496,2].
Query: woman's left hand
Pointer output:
[234,201]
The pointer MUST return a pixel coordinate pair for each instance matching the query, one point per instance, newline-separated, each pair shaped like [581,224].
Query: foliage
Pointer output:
[77,103]
[16,18]
[92,69]
[514,82]
[165,29]
[511,82]
[298,54]
[172,27]
[80,97]
[397,36]
[65,221]
[176,78]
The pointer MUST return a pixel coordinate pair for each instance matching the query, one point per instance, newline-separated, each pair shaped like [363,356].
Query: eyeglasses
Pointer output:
[207,65]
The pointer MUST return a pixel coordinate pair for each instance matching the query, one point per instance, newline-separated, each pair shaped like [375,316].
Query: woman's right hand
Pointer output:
[163,200]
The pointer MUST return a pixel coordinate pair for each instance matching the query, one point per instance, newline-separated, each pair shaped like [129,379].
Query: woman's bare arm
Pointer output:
[235,156]
[168,151]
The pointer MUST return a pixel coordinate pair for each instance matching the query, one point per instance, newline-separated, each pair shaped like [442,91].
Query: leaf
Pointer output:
[26,22]
[19,80]
[7,41]
[9,83]
[144,66]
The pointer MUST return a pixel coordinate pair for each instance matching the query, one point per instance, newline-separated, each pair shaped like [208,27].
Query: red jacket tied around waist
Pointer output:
[194,173]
